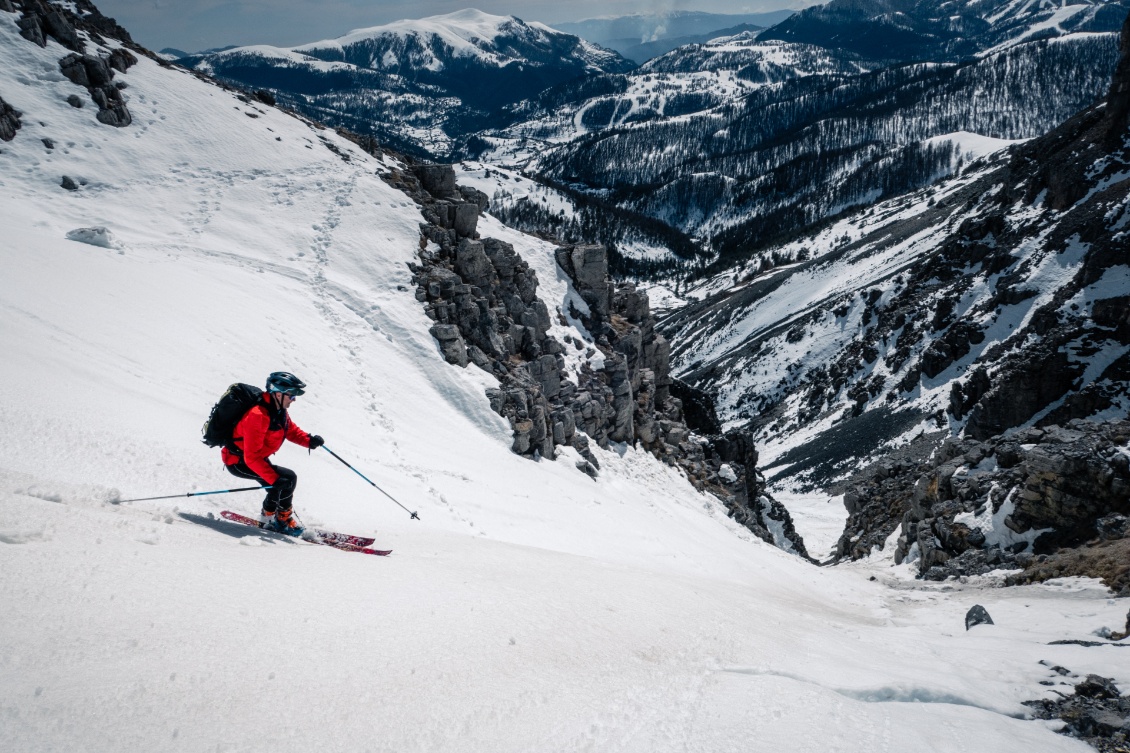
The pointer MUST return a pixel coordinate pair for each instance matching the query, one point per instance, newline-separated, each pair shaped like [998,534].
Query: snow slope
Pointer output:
[465,33]
[530,608]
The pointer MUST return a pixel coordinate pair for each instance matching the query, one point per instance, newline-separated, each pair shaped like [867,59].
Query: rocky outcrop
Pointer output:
[96,74]
[62,22]
[1020,500]
[41,21]
[1096,712]
[483,299]
[9,121]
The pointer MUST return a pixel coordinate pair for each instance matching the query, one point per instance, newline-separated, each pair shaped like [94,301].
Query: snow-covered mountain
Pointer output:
[642,36]
[416,83]
[886,31]
[214,238]
[741,142]
[993,301]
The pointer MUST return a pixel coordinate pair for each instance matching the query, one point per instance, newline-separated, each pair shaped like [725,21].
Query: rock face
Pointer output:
[1096,712]
[9,121]
[483,298]
[1006,502]
[40,21]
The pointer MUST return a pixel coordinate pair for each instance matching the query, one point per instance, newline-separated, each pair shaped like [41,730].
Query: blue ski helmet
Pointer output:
[286,383]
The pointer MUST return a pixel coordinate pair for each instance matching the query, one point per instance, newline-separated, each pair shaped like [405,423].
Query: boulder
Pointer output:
[1097,687]
[472,263]
[465,220]
[438,180]
[977,615]
[1113,526]
[59,28]
[74,70]
[451,343]
[475,196]
[98,71]
[122,59]
[587,266]
[9,121]
[31,29]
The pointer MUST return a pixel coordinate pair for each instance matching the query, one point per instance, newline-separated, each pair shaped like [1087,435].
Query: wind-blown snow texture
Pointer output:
[530,608]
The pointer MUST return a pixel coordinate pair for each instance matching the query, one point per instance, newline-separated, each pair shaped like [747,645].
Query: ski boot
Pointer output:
[286,522]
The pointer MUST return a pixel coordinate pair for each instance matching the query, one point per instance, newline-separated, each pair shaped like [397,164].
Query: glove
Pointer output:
[316,441]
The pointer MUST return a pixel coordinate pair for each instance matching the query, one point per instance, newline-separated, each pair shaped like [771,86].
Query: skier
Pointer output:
[257,436]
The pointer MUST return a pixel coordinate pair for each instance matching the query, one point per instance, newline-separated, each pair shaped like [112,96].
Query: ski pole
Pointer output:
[362,475]
[193,494]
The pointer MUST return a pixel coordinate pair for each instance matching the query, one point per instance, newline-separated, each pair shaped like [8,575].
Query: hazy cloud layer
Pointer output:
[194,25]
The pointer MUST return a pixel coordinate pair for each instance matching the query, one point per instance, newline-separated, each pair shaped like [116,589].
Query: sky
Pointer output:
[193,25]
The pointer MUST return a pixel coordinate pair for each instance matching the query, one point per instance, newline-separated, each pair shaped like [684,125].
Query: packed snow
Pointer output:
[530,607]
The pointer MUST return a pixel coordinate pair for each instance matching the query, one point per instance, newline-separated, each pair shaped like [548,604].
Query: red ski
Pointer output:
[342,541]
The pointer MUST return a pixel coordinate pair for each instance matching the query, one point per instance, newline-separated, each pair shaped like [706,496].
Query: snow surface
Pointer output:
[529,609]
[973,145]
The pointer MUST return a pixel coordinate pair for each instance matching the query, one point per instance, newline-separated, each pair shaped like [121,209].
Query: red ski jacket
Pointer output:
[259,434]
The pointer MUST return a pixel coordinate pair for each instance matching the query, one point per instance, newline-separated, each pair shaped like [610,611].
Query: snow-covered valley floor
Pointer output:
[133,628]
[529,609]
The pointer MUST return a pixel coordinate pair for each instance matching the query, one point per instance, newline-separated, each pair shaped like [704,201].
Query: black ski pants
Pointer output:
[281,494]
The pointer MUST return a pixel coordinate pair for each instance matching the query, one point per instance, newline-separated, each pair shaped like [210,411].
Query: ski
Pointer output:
[314,535]
[352,547]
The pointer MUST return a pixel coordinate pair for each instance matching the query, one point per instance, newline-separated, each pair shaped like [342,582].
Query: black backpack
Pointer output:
[228,412]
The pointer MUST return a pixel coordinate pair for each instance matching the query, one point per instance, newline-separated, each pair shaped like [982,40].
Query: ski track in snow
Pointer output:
[531,608]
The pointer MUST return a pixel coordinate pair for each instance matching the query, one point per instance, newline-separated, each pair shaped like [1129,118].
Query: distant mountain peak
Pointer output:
[463,26]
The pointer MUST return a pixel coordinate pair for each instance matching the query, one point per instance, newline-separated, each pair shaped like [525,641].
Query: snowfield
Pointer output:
[529,609]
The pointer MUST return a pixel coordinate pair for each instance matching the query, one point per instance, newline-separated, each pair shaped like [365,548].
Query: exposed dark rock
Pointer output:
[451,343]
[483,297]
[1097,687]
[698,408]
[96,74]
[31,29]
[1112,527]
[41,21]
[437,180]
[588,268]
[74,100]
[1063,486]
[977,615]
[1096,713]
[68,183]
[9,121]
[73,68]
[121,60]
